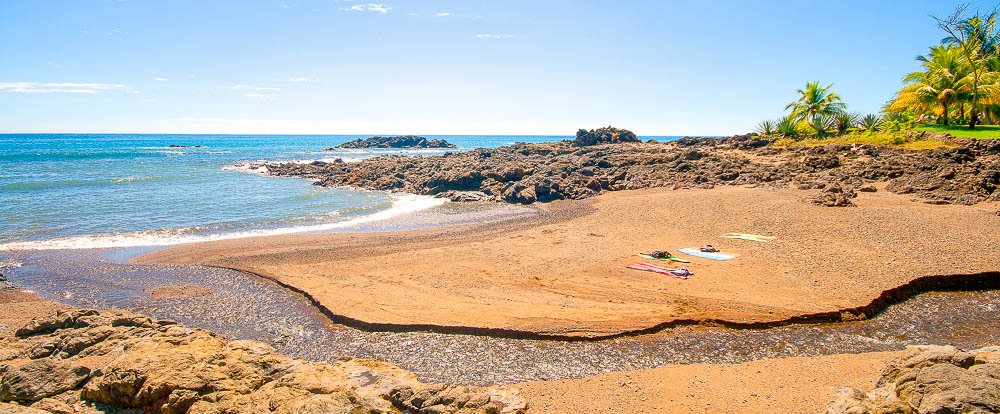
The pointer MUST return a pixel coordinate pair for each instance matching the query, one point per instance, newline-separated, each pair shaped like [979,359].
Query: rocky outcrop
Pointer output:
[930,379]
[606,135]
[71,360]
[405,141]
[835,195]
[528,173]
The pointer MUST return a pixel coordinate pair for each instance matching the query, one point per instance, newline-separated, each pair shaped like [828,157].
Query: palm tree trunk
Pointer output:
[944,114]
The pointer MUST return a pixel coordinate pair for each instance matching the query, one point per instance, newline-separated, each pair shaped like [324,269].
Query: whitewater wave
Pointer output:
[251,167]
[133,179]
[403,204]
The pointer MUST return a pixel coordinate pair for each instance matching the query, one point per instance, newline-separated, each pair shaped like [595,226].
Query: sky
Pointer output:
[496,67]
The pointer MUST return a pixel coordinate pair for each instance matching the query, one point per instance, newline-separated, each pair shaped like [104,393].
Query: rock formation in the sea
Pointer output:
[71,360]
[405,141]
[525,173]
[606,135]
[930,379]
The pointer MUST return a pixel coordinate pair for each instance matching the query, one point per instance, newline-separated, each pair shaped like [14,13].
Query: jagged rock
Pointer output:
[53,406]
[867,188]
[39,379]
[18,409]
[134,362]
[465,196]
[405,141]
[606,135]
[930,379]
[835,195]
[527,173]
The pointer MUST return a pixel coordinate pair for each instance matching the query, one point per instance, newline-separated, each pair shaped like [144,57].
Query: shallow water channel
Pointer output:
[243,306]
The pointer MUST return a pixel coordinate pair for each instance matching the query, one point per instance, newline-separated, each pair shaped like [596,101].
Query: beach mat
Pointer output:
[670,259]
[693,251]
[748,236]
[646,267]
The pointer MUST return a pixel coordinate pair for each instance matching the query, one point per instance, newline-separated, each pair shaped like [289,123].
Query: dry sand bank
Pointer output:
[566,276]
[785,385]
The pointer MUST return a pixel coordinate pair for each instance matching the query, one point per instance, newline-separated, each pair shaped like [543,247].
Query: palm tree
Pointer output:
[977,37]
[816,102]
[944,81]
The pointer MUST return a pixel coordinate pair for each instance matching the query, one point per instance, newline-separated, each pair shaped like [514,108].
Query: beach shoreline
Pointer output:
[352,276]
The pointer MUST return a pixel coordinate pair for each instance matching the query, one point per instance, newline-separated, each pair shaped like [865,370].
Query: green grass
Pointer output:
[963,131]
[870,138]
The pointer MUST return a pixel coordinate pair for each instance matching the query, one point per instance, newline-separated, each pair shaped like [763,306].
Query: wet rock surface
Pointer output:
[526,173]
[930,379]
[243,306]
[75,359]
[405,141]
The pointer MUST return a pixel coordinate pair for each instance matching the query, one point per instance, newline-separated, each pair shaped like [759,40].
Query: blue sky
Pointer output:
[444,67]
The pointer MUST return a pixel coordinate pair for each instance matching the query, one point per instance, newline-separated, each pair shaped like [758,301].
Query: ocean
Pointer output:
[67,191]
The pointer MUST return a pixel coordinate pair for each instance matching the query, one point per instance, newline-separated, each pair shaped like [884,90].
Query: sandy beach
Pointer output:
[786,385]
[564,273]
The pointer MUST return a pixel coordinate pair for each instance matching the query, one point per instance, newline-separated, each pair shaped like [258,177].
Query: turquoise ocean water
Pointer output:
[81,191]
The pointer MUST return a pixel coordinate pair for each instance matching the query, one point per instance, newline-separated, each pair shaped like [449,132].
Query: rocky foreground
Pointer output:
[104,361]
[930,379]
[966,173]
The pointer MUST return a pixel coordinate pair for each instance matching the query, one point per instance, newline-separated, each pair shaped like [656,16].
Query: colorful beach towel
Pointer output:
[693,251]
[670,258]
[748,236]
[646,267]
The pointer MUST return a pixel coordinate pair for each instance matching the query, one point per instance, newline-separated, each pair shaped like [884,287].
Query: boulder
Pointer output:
[606,135]
[929,379]
[127,361]
[835,195]
[39,379]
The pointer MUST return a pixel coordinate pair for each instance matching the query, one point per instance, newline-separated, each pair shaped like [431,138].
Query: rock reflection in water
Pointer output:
[243,306]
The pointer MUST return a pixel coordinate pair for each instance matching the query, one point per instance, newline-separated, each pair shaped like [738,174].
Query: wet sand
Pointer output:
[564,276]
[243,306]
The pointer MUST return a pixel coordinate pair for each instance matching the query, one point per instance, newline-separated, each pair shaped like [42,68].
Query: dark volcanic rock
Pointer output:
[606,135]
[835,195]
[526,173]
[405,141]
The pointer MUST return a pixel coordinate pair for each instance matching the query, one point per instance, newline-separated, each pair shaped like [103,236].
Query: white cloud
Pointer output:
[253,91]
[492,36]
[58,87]
[159,79]
[372,7]
[442,14]
[299,79]
[254,88]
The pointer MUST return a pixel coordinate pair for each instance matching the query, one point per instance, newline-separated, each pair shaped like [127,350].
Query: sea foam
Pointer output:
[402,204]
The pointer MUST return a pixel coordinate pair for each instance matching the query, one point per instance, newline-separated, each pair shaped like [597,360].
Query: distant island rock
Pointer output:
[405,141]
[606,135]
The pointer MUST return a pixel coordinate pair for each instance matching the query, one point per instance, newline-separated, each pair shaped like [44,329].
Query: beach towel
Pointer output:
[693,251]
[678,273]
[747,236]
[670,258]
